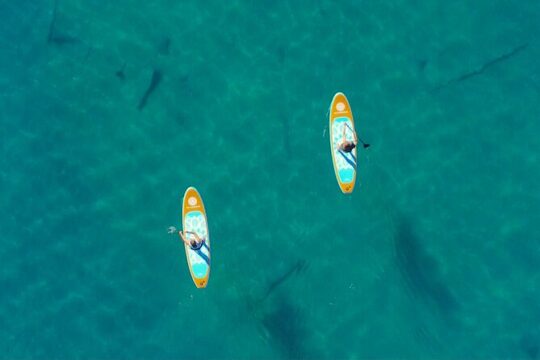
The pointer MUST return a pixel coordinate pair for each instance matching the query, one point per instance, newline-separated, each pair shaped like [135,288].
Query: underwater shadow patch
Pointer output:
[152,86]
[420,270]
[285,327]
[281,323]
[273,285]
[530,345]
[56,37]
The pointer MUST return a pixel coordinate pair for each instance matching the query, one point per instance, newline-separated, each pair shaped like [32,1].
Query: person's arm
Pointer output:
[355,138]
[183,238]
[197,238]
[353,132]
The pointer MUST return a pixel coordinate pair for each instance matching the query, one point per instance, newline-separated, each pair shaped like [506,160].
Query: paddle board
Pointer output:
[341,117]
[194,219]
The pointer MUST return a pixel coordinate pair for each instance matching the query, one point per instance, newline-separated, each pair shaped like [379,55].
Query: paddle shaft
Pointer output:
[366,145]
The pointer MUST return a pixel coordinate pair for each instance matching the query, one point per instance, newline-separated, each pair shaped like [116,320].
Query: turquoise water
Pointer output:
[434,255]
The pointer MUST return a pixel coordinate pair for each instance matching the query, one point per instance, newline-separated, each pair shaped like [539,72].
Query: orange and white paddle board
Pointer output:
[194,219]
[341,119]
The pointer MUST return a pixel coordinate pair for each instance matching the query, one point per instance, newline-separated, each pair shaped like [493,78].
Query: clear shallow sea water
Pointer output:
[435,254]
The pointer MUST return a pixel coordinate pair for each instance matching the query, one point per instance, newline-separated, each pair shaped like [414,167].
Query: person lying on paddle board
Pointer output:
[348,146]
[194,244]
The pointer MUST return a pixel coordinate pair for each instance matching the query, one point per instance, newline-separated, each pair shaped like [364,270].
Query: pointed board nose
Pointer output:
[340,105]
[192,200]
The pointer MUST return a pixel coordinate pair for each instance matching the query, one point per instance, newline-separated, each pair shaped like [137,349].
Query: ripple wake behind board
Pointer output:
[344,163]
[194,219]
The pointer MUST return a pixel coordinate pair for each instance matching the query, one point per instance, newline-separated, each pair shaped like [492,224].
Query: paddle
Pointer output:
[366,145]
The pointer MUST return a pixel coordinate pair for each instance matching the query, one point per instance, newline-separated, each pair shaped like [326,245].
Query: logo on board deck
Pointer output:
[192,201]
